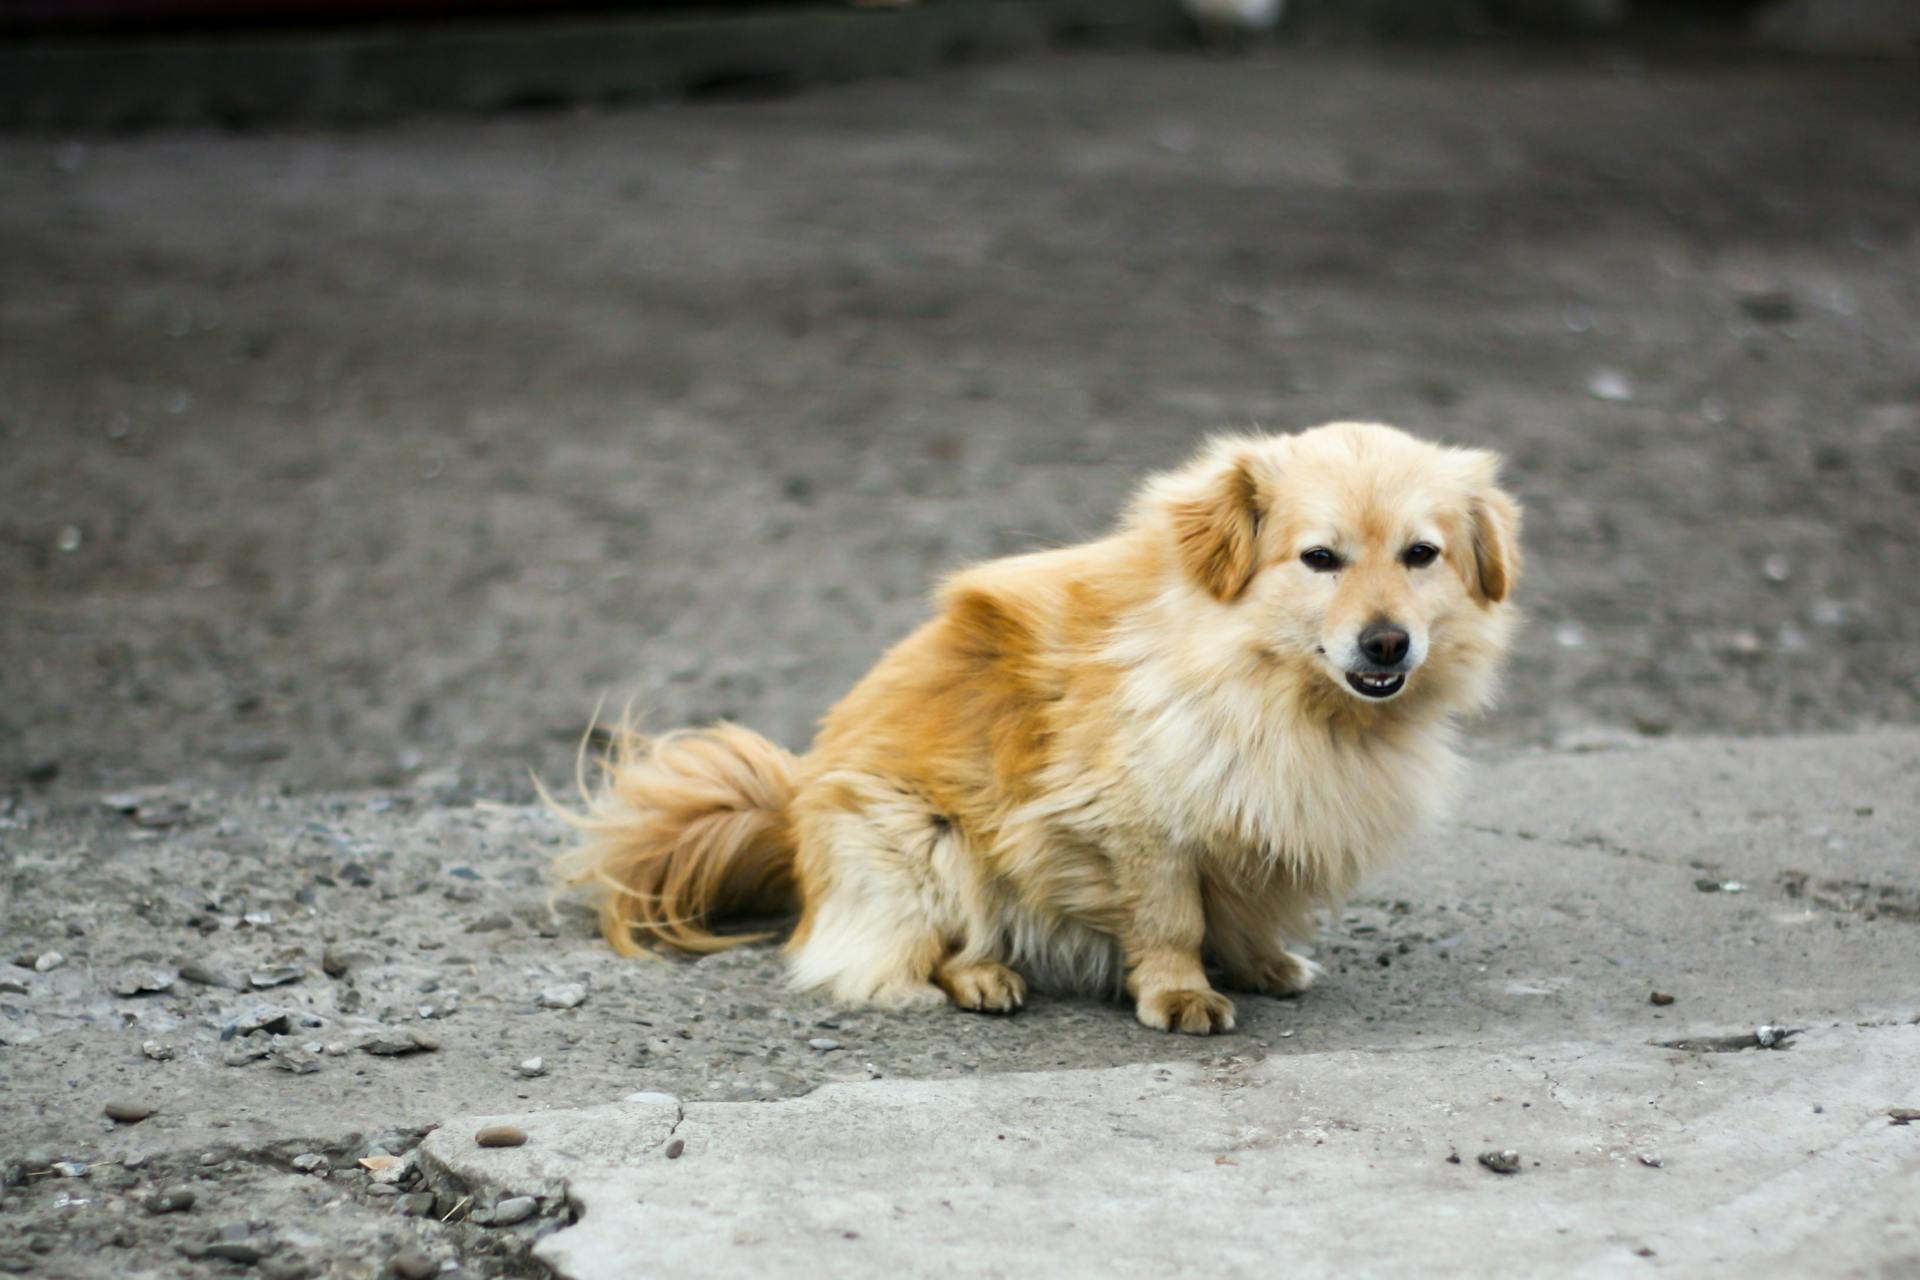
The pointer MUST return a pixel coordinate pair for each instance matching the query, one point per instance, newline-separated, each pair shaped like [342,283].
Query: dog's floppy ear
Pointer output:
[1216,530]
[1494,519]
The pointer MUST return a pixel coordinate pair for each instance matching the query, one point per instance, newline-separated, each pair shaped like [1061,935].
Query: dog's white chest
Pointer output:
[1223,773]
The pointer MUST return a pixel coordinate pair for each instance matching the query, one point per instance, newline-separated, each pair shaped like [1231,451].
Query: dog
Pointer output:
[1103,767]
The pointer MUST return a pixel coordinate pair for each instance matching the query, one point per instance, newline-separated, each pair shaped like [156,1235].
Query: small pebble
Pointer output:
[339,961]
[48,961]
[675,1148]
[501,1135]
[517,1209]
[312,1162]
[142,981]
[244,1252]
[69,1168]
[1651,1159]
[412,1264]
[209,975]
[1507,1161]
[300,1062]
[241,1052]
[171,1200]
[1610,385]
[276,975]
[823,1044]
[1660,998]
[417,1205]
[157,1051]
[532,1067]
[396,1041]
[568,995]
[127,1112]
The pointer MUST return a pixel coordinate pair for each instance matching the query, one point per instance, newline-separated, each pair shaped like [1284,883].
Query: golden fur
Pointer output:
[1106,765]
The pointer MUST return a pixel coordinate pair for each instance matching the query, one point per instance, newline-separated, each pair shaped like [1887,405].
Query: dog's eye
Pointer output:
[1420,555]
[1320,560]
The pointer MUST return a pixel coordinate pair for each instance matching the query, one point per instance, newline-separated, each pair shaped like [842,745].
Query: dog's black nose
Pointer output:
[1384,643]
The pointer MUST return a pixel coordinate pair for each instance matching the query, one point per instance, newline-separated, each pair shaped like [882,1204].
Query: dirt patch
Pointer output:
[344,459]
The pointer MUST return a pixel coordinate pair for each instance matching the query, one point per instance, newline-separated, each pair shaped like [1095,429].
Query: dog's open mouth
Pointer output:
[1369,685]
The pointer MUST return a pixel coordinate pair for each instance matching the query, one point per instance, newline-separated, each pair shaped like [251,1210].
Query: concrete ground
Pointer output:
[1494,992]
[347,471]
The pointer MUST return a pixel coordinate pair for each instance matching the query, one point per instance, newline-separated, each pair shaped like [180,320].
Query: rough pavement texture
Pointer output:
[1759,883]
[1334,1164]
[334,457]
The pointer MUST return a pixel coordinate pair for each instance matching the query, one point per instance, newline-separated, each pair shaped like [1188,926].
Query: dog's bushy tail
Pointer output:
[683,830]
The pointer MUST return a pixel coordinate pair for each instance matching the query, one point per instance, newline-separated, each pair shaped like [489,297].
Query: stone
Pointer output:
[276,975]
[244,1252]
[240,1052]
[501,1135]
[143,980]
[149,807]
[1504,1161]
[171,1200]
[412,1264]
[511,1210]
[210,974]
[298,1061]
[1610,385]
[567,995]
[396,1042]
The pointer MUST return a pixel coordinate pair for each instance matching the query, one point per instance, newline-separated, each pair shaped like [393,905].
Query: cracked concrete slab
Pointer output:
[1340,1163]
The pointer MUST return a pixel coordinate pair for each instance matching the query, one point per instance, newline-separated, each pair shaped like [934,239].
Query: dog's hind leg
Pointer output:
[878,922]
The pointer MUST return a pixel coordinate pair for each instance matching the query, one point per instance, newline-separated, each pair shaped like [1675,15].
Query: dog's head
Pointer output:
[1353,550]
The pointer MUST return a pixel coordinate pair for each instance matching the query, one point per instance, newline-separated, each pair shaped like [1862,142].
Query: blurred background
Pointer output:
[384,385]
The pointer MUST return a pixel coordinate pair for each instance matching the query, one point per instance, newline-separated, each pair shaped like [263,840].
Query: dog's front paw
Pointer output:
[985,987]
[1283,974]
[1193,1011]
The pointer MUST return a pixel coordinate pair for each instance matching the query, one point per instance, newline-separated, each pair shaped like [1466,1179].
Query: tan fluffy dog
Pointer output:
[1109,763]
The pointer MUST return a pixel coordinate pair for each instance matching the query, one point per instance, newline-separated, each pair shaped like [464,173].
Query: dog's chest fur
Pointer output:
[1222,769]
